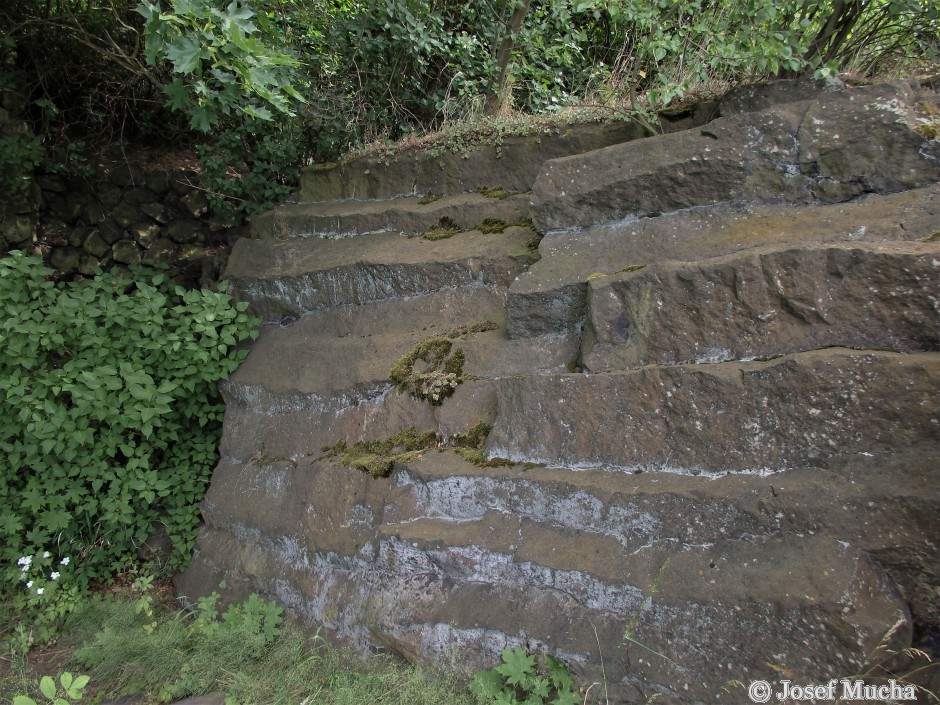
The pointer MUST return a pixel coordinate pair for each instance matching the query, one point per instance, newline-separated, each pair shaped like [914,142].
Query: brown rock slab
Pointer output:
[513,164]
[291,278]
[401,216]
[757,417]
[766,302]
[838,146]
[551,296]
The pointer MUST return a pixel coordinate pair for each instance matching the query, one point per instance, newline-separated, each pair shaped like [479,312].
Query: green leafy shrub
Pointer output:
[519,681]
[69,690]
[20,154]
[252,166]
[109,414]
[222,63]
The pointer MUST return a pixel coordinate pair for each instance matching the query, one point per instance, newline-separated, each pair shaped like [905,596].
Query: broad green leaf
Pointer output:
[516,666]
[47,687]
[186,53]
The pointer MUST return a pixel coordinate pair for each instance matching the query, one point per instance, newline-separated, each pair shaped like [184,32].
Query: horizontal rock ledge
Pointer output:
[766,302]
[753,417]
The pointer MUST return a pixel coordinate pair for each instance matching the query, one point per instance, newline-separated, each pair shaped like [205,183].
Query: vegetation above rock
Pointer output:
[268,88]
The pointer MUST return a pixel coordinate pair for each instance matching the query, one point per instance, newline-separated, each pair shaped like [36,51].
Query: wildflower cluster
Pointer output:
[48,595]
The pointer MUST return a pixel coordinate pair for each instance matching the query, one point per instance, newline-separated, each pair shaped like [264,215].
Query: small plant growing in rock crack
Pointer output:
[469,446]
[436,385]
[445,228]
[429,198]
[441,376]
[378,457]
[498,192]
[519,681]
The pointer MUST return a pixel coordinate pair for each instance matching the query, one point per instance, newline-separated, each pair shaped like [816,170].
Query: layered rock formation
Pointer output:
[711,387]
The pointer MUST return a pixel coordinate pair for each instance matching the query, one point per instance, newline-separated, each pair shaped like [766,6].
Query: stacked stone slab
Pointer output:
[714,387]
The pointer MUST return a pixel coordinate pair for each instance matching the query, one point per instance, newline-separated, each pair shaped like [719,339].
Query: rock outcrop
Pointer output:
[688,438]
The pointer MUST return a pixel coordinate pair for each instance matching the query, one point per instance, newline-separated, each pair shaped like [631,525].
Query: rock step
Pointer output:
[551,295]
[755,417]
[396,596]
[634,514]
[766,302]
[401,216]
[326,377]
[424,586]
[291,278]
[510,163]
[796,152]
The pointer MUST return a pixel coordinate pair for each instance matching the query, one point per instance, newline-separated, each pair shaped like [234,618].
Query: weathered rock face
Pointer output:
[765,302]
[838,146]
[720,426]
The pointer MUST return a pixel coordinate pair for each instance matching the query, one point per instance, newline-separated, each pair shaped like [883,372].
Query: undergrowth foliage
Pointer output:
[519,681]
[109,414]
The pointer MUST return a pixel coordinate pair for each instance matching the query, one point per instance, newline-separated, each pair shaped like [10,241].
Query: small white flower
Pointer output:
[54,575]
[46,554]
[39,591]
[29,584]
[25,561]
[65,561]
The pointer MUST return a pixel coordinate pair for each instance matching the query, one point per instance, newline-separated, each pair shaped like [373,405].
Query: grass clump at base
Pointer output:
[249,654]
[378,457]
[933,237]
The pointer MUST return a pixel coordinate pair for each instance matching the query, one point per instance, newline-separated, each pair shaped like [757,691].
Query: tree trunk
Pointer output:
[495,89]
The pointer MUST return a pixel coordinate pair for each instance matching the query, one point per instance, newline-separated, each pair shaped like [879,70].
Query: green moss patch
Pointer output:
[469,446]
[441,374]
[443,229]
[498,192]
[933,237]
[929,130]
[378,457]
[465,330]
[429,198]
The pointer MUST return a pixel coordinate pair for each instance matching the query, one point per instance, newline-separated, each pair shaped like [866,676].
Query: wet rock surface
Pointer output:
[715,430]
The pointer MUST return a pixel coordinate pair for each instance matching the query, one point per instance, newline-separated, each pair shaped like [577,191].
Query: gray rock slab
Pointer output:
[326,377]
[291,278]
[766,302]
[838,146]
[402,216]
[511,162]
[757,417]
[743,569]
[552,294]
[760,96]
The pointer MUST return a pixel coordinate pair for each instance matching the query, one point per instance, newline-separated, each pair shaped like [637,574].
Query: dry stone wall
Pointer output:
[118,213]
